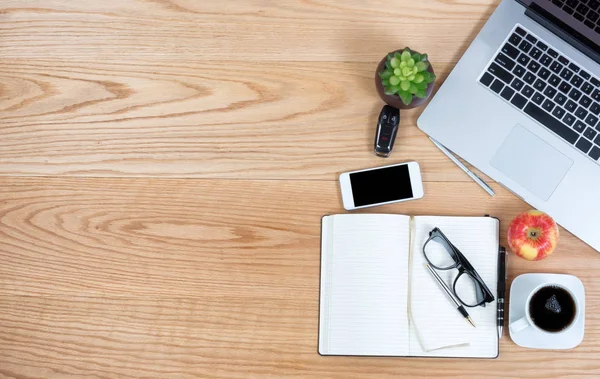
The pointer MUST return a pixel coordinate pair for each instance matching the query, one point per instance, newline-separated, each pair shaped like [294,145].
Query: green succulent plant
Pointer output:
[406,75]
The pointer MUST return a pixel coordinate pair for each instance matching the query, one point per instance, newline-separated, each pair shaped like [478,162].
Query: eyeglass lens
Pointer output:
[438,254]
[468,290]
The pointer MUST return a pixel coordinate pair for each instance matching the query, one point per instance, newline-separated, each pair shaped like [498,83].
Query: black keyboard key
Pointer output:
[519,101]
[597,140]
[497,86]
[529,78]
[591,120]
[582,8]
[563,60]
[520,31]
[581,113]
[564,87]
[585,74]
[569,10]
[519,71]
[510,50]
[535,53]
[552,53]
[500,73]
[573,67]
[549,92]
[523,59]
[554,80]
[595,108]
[595,82]
[585,101]
[525,46]
[556,67]
[595,153]
[579,126]
[544,73]
[590,133]
[589,24]
[575,94]
[558,3]
[571,106]
[584,145]
[587,88]
[514,39]
[566,74]
[486,79]
[505,61]
[545,60]
[507,93]
[548,105]
[569,119]
[539,85]
[593,16]
[542,46]
[533,66]
[578,16]
[558,112]
[517,84]
[560,99]
[576,81]
[551,123]
[537,98]
[527,91]
[596,95]
[531,39]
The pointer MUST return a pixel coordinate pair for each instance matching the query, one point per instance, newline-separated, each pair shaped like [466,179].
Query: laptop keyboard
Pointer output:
[534,77]
[586,11]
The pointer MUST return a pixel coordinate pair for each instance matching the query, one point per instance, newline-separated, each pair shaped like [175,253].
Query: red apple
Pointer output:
[533,235]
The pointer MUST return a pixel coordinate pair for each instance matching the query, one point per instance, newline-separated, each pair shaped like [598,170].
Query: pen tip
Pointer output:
[471,321]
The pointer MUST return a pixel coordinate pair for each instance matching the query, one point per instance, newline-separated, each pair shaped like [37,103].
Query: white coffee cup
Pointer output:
[527,321]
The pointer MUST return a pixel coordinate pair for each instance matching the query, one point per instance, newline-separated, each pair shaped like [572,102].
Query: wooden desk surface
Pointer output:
[164,165]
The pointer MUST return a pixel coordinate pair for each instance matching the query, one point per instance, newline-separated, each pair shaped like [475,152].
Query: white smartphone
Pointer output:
[381,185]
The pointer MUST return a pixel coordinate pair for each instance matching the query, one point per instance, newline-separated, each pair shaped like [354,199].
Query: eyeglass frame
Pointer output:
[462,264]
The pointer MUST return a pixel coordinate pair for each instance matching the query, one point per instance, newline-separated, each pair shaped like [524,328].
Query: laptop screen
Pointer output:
[579,19]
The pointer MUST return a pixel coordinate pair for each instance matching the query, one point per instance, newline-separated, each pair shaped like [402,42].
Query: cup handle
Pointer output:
[519,325]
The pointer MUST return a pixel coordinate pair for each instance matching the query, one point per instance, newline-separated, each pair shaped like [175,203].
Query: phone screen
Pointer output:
[381,185]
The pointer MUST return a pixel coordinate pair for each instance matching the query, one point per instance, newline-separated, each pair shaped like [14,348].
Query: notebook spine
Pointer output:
[327,257]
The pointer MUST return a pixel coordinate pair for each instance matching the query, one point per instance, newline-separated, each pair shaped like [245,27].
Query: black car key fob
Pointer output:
[387,128]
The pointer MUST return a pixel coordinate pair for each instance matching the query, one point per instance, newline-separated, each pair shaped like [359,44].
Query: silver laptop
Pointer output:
[523,106]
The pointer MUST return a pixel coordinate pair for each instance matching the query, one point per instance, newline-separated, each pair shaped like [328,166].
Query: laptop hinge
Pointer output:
[564,31]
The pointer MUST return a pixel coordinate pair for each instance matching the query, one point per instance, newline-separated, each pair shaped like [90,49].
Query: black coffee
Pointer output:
[552,308]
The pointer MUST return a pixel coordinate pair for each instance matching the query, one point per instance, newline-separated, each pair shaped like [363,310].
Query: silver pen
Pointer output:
[456,161]
[443,285]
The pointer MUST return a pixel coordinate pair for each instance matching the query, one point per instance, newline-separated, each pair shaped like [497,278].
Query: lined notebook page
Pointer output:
[364,285]
[435,322]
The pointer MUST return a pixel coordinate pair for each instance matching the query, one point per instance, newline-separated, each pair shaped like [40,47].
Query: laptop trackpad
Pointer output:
[531,162]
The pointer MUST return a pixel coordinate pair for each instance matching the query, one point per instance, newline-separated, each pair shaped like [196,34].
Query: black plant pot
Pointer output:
[394,100]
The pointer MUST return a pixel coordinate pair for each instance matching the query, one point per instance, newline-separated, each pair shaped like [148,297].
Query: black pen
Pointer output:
[502,262]
[448,293]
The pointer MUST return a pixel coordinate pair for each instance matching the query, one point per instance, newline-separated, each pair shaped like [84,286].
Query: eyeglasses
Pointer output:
[468,286]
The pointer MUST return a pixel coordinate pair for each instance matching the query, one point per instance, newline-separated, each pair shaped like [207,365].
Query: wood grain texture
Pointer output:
[164,167]
[157,278]
[259,89]
[253,30]
[291,121]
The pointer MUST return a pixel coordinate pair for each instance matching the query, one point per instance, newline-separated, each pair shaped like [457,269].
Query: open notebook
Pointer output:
[377,297]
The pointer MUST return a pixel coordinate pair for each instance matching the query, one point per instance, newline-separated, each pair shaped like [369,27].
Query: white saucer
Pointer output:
[531,338]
